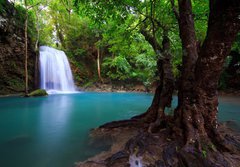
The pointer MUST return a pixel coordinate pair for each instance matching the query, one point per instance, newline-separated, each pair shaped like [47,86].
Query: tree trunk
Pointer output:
[166,84]
[199,107]
[192,138]
[189,50]
[164,91]
[60,35]
[26,50]
[37,28]
[223,26]
[151,114]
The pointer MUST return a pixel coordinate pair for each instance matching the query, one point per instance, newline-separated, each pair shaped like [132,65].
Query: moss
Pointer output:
[38,92]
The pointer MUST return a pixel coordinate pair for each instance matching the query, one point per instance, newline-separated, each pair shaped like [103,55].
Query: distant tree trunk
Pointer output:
[37,28]
[60,35]
[98,65]
[67,6]
[36,71]
[26,48]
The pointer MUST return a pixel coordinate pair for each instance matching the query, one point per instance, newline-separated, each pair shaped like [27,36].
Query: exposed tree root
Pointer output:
[164,148]
[140,121]
[192,138]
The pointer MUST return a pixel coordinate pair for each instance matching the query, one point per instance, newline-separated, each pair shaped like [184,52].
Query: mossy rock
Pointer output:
[38,92]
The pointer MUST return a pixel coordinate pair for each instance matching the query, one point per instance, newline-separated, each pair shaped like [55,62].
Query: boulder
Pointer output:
[37,93]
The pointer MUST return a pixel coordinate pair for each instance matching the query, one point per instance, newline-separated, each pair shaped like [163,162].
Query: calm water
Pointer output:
[53,131]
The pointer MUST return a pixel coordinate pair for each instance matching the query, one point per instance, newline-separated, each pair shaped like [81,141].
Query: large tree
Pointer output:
[192,134]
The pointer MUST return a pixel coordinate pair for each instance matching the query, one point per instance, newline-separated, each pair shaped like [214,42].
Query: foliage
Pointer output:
[236,45]
[2,4]
[201,12]
[130,56]
[204,153]
[119,68]
[20,19]
[81,27]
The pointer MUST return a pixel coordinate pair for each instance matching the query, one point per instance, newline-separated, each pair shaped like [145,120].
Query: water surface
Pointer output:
[53,131]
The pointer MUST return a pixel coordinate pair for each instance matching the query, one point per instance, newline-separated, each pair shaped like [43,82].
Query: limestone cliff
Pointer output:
[12,52]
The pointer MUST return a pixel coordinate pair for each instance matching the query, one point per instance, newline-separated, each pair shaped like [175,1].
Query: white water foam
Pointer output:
[55,72]
[135,161]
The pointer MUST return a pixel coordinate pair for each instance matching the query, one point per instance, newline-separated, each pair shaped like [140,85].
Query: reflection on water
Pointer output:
[54,119]
[53,131]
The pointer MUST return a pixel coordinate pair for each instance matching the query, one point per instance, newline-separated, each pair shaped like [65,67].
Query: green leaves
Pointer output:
[132,58]
[80,27]
[117,68]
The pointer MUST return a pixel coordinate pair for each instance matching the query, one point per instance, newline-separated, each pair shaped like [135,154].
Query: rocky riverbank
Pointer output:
[99,87]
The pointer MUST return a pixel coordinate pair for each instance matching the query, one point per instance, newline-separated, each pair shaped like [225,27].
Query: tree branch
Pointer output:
[175,9]
[140,22]
[152,41]
[33,5]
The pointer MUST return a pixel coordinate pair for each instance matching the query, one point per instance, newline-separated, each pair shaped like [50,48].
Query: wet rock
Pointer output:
[37,93]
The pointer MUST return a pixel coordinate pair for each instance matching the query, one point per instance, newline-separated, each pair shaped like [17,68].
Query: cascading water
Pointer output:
[55,73]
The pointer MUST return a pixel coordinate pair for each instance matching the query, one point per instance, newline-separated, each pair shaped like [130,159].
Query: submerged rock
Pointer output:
[38,92]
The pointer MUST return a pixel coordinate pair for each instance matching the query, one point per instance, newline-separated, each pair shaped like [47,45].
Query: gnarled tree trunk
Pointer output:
[192,136]
[223,27]
[163,93]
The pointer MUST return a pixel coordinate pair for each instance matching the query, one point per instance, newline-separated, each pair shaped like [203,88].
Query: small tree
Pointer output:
[26,46]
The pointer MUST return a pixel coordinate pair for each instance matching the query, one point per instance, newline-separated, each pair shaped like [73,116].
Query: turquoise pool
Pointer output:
[53,131]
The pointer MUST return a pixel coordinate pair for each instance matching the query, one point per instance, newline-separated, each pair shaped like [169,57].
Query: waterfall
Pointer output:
[55,73]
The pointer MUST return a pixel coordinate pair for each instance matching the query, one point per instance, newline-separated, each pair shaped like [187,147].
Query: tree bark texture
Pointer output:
[198,105]
[223,26]
[189,49]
